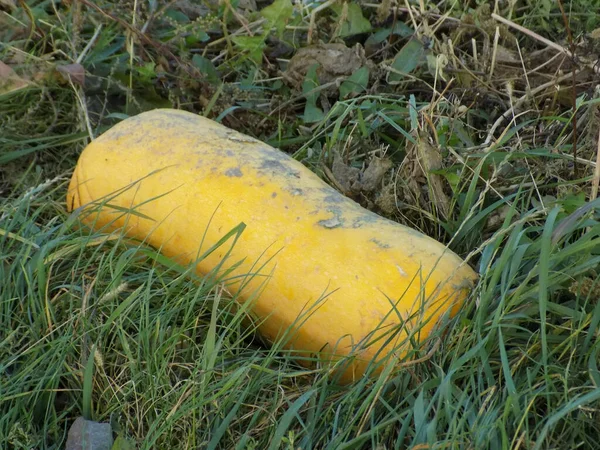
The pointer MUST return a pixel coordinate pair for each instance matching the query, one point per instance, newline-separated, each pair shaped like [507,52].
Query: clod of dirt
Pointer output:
[8,5]
[334,61]
[277,48]
[354,181]
[194,10]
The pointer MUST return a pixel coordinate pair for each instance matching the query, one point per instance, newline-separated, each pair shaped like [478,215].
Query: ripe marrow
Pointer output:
[336,273]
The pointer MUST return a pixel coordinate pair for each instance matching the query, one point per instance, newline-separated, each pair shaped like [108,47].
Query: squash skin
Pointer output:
[205,179]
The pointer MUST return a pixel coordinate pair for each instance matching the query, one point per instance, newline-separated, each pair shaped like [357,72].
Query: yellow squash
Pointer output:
[341,275]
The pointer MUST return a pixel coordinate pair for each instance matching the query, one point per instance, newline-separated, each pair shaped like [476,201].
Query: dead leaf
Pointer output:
[9,5]
[192,10]
[431,160]
[73,72]
[419,186]
[333,60]
[374,173]
[6,71]
[496,219]
[9,80]
[346,176]
[386,200]
[505,55]
[384,10]
[352,181]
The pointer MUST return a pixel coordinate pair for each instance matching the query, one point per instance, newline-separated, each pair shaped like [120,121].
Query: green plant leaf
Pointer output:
[147,72]
[311,81]
[253,45]
[354,23]
[197,36]
[407,59]
[177,16]
[277,14]
[355,83]
[226,8]
[312,113]
[287,419]
[122,443]
[207,68]
[88,385]
[399,29]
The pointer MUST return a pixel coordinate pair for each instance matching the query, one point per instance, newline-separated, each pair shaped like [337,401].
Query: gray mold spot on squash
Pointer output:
[279,166]
[380,244]
[234,172]
[364,219]
[334,222]
[334,198]
[273,164]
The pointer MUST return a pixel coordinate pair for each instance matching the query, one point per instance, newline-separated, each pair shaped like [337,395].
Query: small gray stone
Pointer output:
[89,435]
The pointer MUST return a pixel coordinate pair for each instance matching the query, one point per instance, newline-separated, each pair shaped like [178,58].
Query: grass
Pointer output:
[98,326]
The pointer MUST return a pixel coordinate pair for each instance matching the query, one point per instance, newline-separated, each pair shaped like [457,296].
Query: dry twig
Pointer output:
[596,178]
[520,101]
[547,42]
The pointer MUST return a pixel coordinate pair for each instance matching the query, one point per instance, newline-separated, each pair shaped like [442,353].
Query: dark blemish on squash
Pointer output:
[334,222]
[140,140]
[234,172]
[229,152]
[274,194]
[366,219]
[296,192]
[379,243]
[336,210]
[277,166]
[273,164]
[275,154]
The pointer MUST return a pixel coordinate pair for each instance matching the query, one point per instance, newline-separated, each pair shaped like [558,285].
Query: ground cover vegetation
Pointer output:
[475,122]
